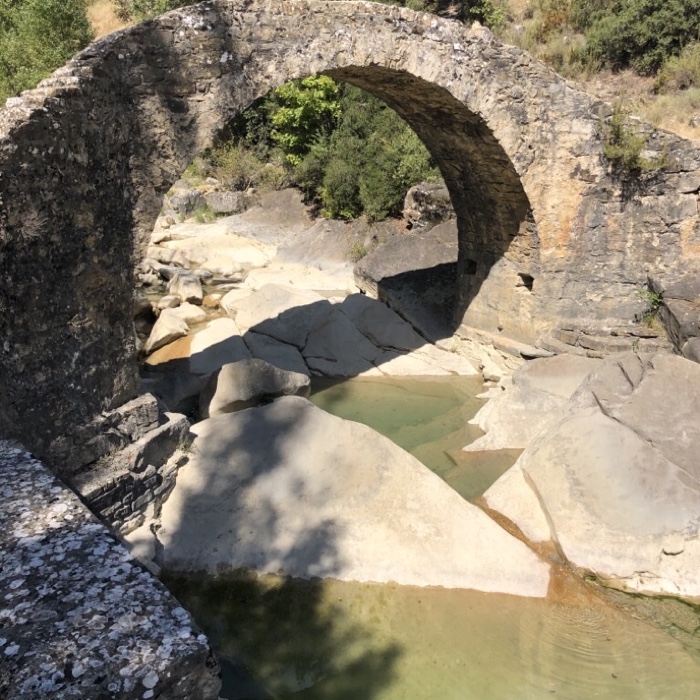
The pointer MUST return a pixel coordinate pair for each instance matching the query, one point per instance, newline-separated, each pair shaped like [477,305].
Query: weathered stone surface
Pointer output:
[247,383]
[335,348]
[169,327]
[186,201]
[282,312]
[227,202]
[189,313]
[122,485]
[380,324]
[81,618]
[87,157]
[356,507]
[275,352]
[533,400]
[615,482]
[187,287]
[427,203]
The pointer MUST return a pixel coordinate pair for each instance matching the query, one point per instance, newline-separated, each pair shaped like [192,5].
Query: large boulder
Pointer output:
[427,203]
[283,313]
[248,383]
[187,287]
[615,482]
[288,488]
[275,352]
[228,202]
[168,328]
[217,344]
[532,400]
[186,201]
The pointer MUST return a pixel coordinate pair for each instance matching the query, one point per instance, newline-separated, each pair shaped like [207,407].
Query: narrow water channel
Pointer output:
[281,638]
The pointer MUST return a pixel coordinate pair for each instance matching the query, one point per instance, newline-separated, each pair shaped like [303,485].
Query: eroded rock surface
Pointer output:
[615,482]
[289,488]
[247,383]
[534,398]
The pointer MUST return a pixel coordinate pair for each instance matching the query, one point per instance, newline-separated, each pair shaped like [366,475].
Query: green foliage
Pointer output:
[640,34]
[346,150]
[36,37]
[624,146]
[368,163]
[681,72]
[653,301]
[204,214]
[302,111]
[145,9]
[356,251]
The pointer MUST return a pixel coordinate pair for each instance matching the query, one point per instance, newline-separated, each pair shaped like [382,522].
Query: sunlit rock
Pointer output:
[289,488]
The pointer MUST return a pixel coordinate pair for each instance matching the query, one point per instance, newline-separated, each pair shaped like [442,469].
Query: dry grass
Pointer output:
[103,18]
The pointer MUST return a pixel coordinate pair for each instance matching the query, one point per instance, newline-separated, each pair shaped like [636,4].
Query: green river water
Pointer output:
[281,638]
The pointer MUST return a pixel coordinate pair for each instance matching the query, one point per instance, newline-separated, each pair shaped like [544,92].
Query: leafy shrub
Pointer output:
[640,34]
[681,72]
[36,37]
[302,111]
[624,146]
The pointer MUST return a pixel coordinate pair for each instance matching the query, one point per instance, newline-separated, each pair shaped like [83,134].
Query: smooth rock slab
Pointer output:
[615,483]
[289,488]
[534,400]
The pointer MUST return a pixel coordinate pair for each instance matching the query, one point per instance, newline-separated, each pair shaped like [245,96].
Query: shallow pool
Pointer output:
[282,638]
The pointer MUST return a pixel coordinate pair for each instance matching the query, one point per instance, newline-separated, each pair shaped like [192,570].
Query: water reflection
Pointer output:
[299,639]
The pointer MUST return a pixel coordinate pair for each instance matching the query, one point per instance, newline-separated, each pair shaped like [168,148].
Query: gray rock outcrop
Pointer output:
[247,383]
[534,398]
[615,483]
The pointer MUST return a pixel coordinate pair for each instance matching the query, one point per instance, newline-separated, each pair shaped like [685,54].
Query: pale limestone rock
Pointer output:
[282,313]
[535,398]
[289,488]
[615,482]
[187,287]
[335,348]
[275,352]
[190,313]
[380,324]
[169,301]
[218,344]
[229,302]
[167,328]
[247,383]
[166,256]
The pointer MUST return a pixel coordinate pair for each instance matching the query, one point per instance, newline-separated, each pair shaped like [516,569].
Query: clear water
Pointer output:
[282,638]
[333,640]
[426,416]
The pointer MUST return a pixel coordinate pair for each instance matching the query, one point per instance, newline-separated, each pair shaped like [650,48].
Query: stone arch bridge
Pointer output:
[548,235]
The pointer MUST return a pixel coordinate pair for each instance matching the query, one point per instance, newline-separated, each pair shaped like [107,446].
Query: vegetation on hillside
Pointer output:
[345,149]
[36,37]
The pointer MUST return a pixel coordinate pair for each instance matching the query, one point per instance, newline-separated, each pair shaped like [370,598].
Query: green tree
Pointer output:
[36,37]
[301,112]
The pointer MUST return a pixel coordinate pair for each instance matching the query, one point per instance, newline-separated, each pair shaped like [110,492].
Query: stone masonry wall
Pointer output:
[549,236]
[79,617]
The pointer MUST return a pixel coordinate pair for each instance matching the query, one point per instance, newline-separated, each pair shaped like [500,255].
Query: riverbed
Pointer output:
[284,638]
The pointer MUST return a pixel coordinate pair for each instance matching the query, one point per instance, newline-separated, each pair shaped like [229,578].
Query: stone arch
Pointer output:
[86,158]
